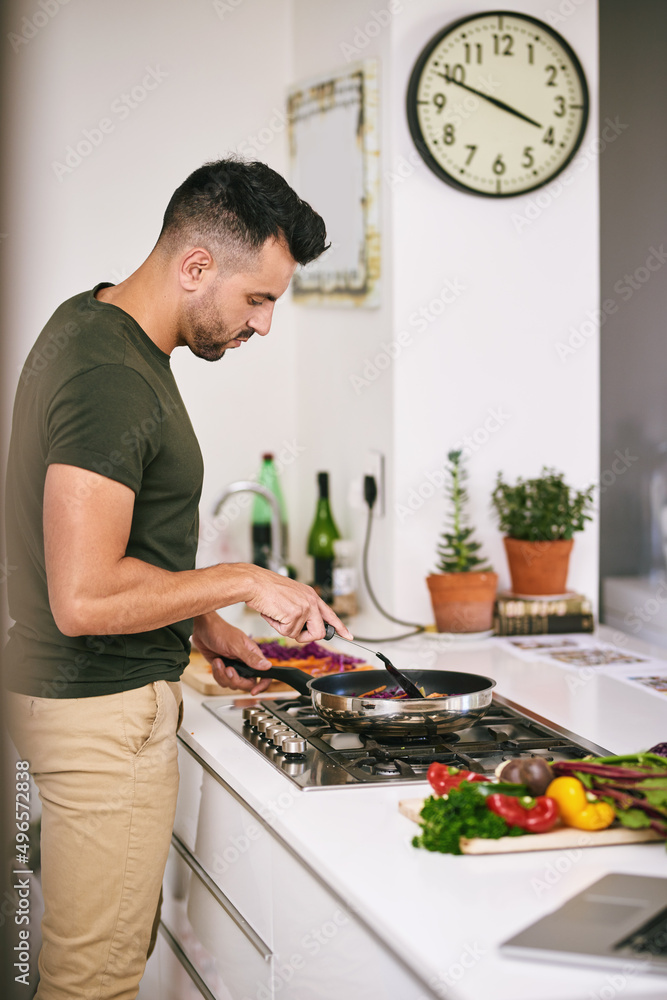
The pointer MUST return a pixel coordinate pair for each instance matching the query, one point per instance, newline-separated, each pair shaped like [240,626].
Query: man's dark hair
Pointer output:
[231,207]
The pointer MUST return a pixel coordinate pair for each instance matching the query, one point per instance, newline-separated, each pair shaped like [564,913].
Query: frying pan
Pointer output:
[337,699]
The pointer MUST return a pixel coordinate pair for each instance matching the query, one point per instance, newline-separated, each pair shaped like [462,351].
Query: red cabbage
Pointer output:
[275,650]
[389,693]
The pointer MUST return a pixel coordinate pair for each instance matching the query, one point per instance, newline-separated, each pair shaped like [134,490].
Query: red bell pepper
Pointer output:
[533,815]
[443,777]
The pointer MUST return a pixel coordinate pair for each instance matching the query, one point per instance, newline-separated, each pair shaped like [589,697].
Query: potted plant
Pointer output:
[463,590]
[538,518]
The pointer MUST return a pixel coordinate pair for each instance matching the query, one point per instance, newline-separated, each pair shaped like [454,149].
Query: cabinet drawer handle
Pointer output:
[186,963]
[197,869]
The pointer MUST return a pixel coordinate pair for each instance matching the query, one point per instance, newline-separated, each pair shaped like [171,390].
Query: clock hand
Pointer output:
[492,100]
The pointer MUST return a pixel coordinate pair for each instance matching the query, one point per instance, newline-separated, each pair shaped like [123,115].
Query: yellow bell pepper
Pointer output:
[575,809]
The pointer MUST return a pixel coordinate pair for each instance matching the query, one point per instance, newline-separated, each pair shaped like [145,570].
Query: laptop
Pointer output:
[620,920]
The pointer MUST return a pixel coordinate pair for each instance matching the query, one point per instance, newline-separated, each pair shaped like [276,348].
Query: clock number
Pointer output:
[549,136]
[448,135]
[439,100]
[478,51]
[456,75]
[473,150]
[560,101]
[498,165]
[531,53]
[528,158]
[551,70]
[507,41]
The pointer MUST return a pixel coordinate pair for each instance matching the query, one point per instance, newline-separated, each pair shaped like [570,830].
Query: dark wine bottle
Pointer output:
[323,534]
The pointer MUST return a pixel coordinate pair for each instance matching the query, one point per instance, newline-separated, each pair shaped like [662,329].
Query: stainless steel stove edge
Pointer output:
[593,748]
[346,780]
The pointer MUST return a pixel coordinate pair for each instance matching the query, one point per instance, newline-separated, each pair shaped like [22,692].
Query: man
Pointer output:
[104,481]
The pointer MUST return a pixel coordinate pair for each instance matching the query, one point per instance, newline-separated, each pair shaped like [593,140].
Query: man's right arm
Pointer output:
[96,589]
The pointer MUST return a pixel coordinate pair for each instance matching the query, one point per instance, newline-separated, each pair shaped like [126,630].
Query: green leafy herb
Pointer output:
[634,819]
[462,813]
[541,509]
[655,792]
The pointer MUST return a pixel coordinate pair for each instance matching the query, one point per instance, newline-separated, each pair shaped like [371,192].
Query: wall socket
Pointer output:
[374,466]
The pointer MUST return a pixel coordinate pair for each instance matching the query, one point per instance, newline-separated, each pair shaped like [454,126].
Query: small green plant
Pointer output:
[457,551]
[543,509]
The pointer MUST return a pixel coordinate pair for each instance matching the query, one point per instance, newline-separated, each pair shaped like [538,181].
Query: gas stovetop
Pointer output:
[292,737]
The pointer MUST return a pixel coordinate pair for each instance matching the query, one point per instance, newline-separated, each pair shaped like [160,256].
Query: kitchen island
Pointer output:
[320,894]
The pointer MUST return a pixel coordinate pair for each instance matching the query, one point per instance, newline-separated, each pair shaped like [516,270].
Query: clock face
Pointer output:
[497,104]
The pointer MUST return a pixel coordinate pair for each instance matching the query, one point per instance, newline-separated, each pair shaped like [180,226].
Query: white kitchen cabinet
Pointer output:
[321,949]
[636,604]
[235,849]
[189,797]
[255,921]
[225,954]
[166,977]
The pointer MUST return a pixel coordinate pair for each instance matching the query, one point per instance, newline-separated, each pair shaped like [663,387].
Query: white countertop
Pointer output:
[446,915]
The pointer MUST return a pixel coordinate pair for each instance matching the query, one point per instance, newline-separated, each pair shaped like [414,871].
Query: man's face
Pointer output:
[228,310]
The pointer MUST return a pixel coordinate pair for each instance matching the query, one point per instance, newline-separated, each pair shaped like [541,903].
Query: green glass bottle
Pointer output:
[261,514]
[323,534]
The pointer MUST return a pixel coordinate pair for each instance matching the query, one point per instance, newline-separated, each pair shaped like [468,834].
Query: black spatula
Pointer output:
[410,689]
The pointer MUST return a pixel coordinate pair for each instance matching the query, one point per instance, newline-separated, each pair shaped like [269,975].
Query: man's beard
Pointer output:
[207,335]
[203,345]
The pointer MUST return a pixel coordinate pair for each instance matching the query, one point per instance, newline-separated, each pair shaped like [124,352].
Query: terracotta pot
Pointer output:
[538,567]
[463,602]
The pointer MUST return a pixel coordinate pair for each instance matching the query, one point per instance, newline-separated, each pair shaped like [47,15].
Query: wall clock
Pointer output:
[497,104]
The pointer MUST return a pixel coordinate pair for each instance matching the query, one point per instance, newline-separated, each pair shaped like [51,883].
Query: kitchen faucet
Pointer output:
[275,560]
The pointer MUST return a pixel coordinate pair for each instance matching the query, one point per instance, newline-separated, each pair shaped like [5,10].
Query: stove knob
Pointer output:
[249,714]
[284,732]
[293,744]
[271,730]
[264,723]
[260,718]
[279,734]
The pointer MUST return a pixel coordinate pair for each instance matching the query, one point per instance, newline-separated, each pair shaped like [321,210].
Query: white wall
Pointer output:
[494,347]
[491,351]
[337,424]
[221,76]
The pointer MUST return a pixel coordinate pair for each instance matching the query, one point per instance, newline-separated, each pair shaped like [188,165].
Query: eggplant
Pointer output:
[534,772]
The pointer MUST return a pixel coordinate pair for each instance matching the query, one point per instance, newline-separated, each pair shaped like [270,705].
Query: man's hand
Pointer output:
[292,609]
[215,639]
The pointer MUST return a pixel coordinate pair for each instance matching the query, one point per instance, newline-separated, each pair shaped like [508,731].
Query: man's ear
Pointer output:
[196,268]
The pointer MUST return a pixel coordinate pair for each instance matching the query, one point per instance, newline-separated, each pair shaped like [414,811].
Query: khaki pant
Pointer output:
[107,774]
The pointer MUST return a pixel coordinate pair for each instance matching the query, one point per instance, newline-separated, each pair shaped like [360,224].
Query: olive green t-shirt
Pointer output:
[97,393]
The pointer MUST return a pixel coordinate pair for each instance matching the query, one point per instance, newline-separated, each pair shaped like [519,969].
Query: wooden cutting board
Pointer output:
[554,840]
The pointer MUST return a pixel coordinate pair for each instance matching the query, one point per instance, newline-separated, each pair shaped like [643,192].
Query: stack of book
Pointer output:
[542,615]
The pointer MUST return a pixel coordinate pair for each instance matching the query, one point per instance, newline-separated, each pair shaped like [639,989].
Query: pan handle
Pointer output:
[297,679]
